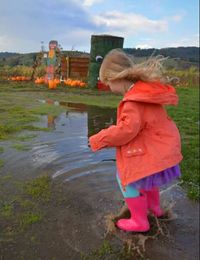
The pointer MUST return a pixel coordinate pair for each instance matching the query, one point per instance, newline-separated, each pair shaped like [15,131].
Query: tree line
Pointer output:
[187,54]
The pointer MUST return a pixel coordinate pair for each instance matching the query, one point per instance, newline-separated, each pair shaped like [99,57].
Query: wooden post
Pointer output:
[68,68]
[101,45]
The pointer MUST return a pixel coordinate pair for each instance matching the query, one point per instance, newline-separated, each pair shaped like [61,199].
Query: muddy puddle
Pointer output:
[74,224]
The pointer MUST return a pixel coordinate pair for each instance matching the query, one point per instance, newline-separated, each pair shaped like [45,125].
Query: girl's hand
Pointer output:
[93,143]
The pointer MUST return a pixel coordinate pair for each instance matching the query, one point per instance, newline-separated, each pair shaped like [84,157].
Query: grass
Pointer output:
[24,206]
[39,188]
[18,112]
[19,108]
[110,251]
[24,138]
[104,250]
[1,163]
[20,147]
[45,109]
[28,219]
[186,116]
[6,209]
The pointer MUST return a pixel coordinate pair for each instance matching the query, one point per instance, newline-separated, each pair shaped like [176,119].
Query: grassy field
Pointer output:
[19,107]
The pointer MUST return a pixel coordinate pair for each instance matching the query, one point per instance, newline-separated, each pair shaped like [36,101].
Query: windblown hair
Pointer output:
[118,65]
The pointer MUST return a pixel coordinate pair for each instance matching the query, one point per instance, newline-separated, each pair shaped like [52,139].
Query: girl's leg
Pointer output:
[153,201]
[130,191]
[137,206]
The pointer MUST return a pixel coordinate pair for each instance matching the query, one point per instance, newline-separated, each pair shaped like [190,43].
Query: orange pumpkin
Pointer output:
[69,81]
[82,84]
[57,81]
[37,80]
[52,84]
[41,80]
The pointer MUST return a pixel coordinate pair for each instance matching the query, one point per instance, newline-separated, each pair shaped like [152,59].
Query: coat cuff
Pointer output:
[94,143]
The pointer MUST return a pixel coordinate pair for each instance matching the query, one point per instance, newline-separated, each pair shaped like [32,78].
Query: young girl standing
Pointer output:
[147,141]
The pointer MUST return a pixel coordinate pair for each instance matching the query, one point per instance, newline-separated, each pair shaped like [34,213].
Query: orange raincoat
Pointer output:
[147,141]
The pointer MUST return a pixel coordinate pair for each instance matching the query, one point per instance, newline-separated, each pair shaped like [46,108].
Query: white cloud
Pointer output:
[143,46]
[90,2]
[177,18]
[129,23]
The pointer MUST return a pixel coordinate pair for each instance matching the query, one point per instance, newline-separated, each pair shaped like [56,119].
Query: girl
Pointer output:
[147,141]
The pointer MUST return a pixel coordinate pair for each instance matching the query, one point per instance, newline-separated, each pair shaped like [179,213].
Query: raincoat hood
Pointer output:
[152,92]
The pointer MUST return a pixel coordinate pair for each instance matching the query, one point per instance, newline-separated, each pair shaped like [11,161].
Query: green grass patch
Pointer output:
[1,149]
[6,209]
[6,178]
[25,205]
[20,110]
[186,116]
[29,218]
[104,251]
[45,109]
[1,163]
[20,147]
[39,188]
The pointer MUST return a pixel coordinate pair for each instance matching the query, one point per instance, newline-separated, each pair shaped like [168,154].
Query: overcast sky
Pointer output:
[143,23]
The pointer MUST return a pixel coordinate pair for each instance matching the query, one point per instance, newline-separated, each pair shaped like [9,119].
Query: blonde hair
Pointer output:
[118,65]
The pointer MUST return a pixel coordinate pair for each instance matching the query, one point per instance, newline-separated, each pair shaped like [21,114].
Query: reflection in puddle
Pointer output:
[51,121]
[73,158]
[64,153]
[97,117]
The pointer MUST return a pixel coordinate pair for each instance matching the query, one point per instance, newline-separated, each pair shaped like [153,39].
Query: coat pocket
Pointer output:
[134,150]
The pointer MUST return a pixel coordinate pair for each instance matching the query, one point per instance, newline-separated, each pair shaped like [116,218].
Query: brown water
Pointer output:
[89,192]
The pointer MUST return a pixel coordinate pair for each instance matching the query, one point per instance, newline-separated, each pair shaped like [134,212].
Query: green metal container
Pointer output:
[101,45]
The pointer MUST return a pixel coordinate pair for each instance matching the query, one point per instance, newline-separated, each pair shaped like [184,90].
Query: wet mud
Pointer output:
[84,192]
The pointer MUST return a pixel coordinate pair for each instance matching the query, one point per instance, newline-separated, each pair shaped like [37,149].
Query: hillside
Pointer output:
[181,57]
[8,54]
[186,53]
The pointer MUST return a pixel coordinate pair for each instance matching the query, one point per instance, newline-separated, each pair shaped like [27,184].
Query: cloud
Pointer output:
[72,22]
[143,46]
[128,23]
[177,18]
[25,26]
[90,2]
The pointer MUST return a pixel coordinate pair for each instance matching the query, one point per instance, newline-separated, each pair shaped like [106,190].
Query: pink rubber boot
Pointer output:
[138,221]
[153,201]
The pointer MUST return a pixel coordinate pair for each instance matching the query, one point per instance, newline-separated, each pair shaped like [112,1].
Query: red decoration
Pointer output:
[102,86]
